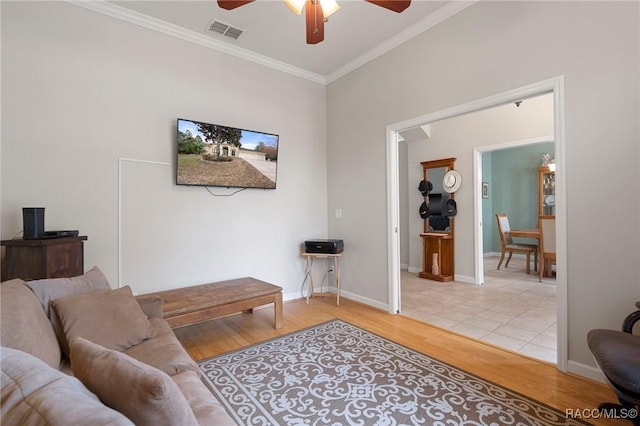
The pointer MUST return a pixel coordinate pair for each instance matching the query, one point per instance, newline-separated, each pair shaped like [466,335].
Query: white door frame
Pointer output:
[553,85]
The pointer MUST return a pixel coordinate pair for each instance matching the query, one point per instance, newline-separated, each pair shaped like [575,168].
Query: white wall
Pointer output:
[81,89]
[457,137]
[490,48]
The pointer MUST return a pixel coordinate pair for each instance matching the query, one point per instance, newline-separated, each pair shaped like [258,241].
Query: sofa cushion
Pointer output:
[207,409]
[47,290]
[35,394]
[143,393]
[24,324]
[50,289]
[163,350]
[112,319]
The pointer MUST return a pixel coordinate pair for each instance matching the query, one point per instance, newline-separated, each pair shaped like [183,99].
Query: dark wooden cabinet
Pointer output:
[437,252]
[46,258]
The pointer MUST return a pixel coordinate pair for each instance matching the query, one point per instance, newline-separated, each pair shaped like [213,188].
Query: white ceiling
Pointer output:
[275,36]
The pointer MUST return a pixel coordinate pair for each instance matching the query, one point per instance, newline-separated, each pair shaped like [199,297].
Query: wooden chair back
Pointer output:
[548,234]
[547,227]
[503,228]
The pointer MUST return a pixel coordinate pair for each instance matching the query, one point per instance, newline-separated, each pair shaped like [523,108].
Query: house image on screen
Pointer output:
[230,150]
[225,149]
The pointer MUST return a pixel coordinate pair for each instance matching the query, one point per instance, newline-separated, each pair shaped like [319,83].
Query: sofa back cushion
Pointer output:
[35,394]
[24,324]
[50,289]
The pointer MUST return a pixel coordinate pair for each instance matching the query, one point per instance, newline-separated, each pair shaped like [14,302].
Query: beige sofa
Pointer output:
[76,352]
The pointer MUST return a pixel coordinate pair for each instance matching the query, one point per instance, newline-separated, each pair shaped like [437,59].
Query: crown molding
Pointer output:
[151,23]
[428,22]
[118,12]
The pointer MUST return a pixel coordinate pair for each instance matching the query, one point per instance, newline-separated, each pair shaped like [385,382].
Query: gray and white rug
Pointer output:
[338,374]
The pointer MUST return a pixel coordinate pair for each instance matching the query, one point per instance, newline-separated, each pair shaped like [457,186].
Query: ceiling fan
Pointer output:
[317,12]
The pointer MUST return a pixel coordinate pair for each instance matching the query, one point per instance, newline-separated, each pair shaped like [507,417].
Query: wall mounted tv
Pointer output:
[215,155]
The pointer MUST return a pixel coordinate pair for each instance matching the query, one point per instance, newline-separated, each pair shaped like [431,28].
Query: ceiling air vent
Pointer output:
[224,29]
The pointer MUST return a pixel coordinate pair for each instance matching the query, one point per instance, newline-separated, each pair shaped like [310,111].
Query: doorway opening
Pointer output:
[513,308]
[469,223]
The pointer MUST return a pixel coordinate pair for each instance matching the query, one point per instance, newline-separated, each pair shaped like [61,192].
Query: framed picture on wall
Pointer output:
[485,189]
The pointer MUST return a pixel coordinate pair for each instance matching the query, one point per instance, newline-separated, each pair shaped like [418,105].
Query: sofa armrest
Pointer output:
[151,305]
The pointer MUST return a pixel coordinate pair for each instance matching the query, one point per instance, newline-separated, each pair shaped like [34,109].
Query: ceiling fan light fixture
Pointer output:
[295,5]
[329,7]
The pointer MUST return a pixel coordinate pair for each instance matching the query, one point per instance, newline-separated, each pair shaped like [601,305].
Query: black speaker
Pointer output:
[33,222]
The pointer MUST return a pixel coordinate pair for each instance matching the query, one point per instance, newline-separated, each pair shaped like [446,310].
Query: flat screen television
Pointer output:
[214,155]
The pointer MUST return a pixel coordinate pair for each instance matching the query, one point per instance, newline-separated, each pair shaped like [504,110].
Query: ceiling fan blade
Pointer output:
[315,22]
[232,4]
[395,5]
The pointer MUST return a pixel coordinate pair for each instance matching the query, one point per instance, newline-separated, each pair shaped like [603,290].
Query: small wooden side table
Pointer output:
[43,258]
[336,267]
[441,244]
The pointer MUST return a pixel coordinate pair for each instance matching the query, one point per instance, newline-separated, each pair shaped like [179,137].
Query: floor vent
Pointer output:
[224,29]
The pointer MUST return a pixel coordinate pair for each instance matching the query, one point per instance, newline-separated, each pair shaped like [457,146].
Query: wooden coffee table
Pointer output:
[199,303]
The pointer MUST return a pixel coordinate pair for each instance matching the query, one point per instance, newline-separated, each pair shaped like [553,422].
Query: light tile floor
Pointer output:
[511,310]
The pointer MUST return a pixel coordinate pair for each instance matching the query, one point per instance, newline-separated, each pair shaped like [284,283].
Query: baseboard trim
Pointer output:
[332,289]
[459,278]
[291,296]
[587,371]
[464,279]
[364,300]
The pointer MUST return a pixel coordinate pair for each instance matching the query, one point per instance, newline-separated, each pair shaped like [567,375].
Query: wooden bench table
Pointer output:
[191,305]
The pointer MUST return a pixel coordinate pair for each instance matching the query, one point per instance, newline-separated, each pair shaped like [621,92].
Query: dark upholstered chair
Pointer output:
[618,356]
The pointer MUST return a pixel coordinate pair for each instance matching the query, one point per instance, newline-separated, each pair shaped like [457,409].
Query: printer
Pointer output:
[324,246]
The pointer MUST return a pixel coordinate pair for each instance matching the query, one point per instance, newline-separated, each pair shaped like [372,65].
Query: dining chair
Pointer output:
[547,245]
[508,246]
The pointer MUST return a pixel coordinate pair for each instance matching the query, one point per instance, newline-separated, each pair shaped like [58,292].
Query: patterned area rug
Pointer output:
[338,374]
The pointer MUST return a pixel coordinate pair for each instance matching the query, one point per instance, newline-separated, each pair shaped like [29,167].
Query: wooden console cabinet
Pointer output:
[437,247]
[46,258]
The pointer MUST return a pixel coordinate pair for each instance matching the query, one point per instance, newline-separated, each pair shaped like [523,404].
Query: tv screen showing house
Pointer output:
[215,155]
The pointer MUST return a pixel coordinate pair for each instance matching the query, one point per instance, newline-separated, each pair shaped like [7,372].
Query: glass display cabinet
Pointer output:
[546,191]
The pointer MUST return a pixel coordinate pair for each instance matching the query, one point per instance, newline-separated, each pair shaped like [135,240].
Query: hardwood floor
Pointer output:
[536,379]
